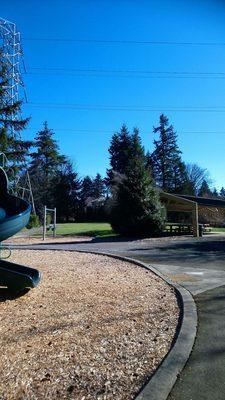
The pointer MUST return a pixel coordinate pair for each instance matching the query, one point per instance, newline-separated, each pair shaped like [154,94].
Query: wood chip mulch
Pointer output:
[95,328]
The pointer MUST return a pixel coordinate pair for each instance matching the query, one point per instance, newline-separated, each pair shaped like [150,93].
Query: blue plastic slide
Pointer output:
[14,216]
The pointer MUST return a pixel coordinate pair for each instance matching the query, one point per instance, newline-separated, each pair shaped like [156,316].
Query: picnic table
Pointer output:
[181,227]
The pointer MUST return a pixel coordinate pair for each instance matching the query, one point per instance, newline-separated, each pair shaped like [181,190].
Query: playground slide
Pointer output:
[14,215]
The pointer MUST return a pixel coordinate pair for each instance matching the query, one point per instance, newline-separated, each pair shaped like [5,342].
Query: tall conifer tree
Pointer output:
[66,188]
[167,167]
[205,190]
[120,151]
[136,209]
[46,161]
[98,186]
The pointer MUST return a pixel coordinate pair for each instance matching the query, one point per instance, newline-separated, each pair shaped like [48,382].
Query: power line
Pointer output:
[132,71]
[97,107]
[111,131]
[101,73]
[128,76]
[136,42]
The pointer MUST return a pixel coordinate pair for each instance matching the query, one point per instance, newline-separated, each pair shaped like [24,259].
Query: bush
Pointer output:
[33,222]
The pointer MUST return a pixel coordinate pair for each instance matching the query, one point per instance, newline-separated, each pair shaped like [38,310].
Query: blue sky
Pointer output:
[201,134]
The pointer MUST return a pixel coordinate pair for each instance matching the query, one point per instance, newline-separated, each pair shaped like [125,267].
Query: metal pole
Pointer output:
[55,222]
[44,224]
[195,221]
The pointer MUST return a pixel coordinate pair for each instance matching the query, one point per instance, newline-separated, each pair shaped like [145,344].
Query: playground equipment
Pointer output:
[51,226]
[14,215]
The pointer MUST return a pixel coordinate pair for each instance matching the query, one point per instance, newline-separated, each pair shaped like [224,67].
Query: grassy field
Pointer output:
[218,229]
[97,229]
[94,229]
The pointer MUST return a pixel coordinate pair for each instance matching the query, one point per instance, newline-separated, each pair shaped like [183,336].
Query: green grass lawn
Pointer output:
[218,229]
[97,229]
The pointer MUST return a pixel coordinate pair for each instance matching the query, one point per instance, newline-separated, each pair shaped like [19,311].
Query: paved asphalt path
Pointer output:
[198,265]
[203,377]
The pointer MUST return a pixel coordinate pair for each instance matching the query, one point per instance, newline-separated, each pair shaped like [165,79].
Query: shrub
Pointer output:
[136,208]
[33,222]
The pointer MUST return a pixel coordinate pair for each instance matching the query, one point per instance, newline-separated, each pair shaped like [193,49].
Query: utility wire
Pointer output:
[136,42]
[90,73]
[111,131]
[130,71]
[96,107]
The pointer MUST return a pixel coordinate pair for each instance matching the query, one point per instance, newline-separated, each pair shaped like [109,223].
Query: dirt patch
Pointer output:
[95,328]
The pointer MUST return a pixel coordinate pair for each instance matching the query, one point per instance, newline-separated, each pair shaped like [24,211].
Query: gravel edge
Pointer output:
[162,381]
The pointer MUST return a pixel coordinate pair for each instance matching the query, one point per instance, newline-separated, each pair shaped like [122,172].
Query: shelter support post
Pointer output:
[195,221]
[54,231]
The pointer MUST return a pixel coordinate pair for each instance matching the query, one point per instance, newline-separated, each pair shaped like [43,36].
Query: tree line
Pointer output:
[128,195]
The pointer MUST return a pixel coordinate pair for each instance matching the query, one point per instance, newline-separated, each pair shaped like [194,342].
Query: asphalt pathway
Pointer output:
[199,266]
[203,377]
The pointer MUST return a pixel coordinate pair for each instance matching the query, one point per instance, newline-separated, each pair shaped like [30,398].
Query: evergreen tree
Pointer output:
[16,150]
[98,186]
[91,202]
[45,164]
[148,162]
[136,209]
[66,186]
[167,167]
[120,150]
[123,147]
[47,156]
[222,192]
[215,193]
[86,191]
[136,148]
[205,190]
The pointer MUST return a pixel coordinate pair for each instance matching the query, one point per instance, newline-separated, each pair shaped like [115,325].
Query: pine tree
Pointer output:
[124,145]
[148,162]
[91,203]
[167,167]
[45,164]
[16,150]
[215,193]
[86,191]
[136,209]
[47,156]
[136,148]
[98,186]
[205,190]
[222,192]
[66,187]
[120,150]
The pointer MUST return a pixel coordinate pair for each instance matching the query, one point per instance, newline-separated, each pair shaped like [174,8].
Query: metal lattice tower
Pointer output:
[12,57]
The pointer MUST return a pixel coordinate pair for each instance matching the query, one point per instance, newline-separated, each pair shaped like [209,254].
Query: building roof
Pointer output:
[181,202]
[203,201]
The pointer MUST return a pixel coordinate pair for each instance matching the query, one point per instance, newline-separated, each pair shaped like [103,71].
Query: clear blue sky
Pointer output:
[120,20]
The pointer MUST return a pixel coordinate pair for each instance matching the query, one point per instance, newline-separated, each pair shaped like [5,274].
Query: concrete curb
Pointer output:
[162,381]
